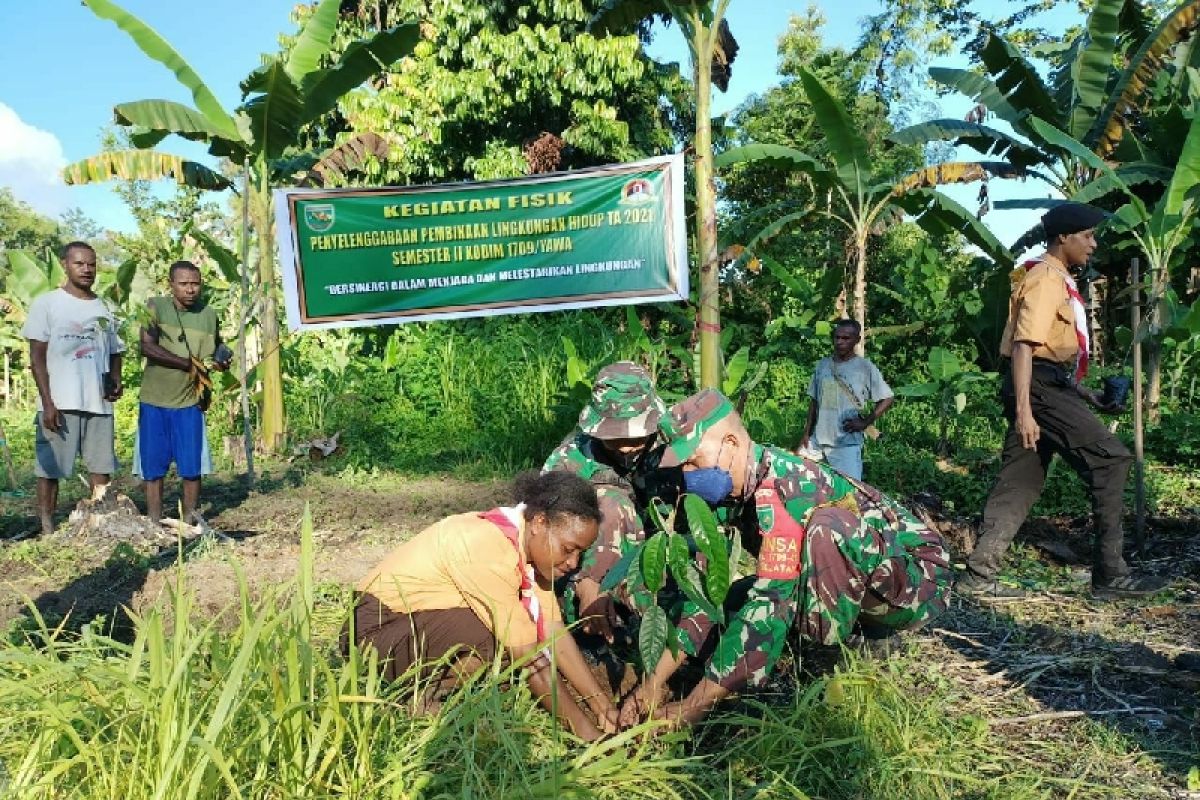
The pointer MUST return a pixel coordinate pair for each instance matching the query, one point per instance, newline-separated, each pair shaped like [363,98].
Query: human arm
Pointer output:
[115,388]
[810,423]
[51,416]
[597,609]
[858,424]
[1022,377]
[574,668]
[158,355]
[552,694]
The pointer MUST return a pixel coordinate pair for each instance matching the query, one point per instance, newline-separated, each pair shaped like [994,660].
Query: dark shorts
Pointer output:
[170,434]
[403,639]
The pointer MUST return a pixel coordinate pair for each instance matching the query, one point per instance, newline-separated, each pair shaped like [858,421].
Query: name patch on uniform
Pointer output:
[782,538]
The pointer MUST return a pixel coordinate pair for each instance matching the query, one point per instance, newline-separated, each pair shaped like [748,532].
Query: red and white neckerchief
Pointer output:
[1080,314]
[508,520]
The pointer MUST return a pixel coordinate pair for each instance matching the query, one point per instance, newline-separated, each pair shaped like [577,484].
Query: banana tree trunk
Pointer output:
[860,289]
[1154,355]
[272,420]
[709,315]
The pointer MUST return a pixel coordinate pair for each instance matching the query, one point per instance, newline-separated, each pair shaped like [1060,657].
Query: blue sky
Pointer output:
[66,68]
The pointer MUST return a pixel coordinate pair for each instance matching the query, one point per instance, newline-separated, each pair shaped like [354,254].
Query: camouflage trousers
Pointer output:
[880,566]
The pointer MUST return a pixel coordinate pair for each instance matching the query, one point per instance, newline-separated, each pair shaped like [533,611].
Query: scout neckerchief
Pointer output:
[505,519]
[1080,314]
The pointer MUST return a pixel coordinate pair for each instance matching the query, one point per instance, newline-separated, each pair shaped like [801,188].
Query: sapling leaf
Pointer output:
[654,561]
[652,636]
[703,526]
[619,570]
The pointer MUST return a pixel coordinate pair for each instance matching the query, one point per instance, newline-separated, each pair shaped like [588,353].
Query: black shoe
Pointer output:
[969,584]
[1128,586]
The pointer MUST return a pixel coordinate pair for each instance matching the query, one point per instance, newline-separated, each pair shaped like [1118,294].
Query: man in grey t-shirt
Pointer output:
[848,395]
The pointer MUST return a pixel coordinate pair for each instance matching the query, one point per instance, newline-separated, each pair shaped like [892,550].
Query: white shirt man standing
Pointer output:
[848,394]
[75,357]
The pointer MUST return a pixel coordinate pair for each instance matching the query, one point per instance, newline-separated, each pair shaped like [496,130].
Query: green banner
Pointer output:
[601,236]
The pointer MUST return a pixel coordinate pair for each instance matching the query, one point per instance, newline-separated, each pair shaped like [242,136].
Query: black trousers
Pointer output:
[1069,428]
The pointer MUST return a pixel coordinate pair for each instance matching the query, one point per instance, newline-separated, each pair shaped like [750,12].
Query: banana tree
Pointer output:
[949,380]
[863,201]
[712,49]
[1160,232]
[261,135]
[1087,98]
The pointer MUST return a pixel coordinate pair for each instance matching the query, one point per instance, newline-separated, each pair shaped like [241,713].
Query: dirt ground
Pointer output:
[1056,669]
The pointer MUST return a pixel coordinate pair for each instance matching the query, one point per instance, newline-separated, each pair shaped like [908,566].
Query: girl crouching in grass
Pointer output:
[472,583]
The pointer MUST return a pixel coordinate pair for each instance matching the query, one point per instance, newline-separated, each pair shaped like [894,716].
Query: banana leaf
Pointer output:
[797,159]
[1019,80]
[982,139]
[937,214]
[157,48]
[1129,174]
[841,135]
[323,88]
[144,165]
[1061,140]
[1187,172]
[1093,66]
[983,91]
[313,41]
[165,117]
[1150,58]
[955,172]
[275,109]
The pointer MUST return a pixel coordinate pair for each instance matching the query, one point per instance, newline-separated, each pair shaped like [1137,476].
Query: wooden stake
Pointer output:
[1139,461]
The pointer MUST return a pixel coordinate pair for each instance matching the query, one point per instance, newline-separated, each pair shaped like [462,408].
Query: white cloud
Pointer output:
[30,161]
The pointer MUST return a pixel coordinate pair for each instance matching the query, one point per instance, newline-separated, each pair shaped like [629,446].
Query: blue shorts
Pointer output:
[170,434]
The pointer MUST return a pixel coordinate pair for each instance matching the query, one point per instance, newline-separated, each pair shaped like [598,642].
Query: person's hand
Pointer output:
[855,424]
[1027,429]
[1096,399]
[116,389]
[52,418]
[608,720]
[597,610]
[221,366]
[678,715]
[637,704]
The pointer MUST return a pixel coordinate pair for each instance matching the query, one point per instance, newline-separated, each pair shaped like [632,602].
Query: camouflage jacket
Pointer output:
[817,582]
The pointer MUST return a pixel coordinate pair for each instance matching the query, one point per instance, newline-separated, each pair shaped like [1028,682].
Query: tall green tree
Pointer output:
[261,136]
[496,90]
[712,49]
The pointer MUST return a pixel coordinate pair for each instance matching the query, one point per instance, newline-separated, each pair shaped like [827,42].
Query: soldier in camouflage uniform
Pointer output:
[834,555]
[616,447]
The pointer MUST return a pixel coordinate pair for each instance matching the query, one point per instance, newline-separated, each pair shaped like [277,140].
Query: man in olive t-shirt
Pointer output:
[179,343]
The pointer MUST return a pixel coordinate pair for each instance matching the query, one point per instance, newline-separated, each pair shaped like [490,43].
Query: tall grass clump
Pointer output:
[870,730]
[250,705]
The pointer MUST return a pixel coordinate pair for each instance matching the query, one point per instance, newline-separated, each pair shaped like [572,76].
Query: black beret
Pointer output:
[1070,218]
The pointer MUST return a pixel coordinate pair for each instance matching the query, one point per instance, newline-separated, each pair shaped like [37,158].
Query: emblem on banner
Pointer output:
[638,190]
[319,218]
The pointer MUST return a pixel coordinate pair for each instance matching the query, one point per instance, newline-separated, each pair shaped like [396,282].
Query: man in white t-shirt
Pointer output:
[75,357]
[848,395]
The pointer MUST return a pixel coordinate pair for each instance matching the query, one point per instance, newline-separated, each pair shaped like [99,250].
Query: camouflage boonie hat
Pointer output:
[624,405]
[693,417]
